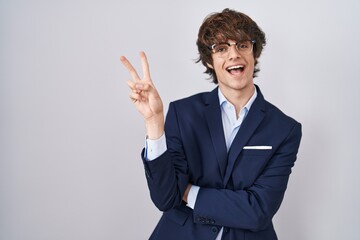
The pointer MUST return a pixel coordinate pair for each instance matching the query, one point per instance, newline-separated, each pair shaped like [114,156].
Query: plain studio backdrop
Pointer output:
[70,139]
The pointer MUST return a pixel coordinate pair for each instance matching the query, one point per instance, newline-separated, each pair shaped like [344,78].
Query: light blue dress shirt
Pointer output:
[231,125]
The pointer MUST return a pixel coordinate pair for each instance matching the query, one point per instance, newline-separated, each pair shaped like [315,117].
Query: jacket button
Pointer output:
[214,230]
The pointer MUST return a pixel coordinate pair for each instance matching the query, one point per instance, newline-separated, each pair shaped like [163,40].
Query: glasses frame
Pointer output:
[212,47]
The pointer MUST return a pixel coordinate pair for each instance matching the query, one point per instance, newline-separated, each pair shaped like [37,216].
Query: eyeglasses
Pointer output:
[222,49]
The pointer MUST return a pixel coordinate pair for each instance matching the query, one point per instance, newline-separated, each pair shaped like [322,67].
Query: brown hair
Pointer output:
[224,26]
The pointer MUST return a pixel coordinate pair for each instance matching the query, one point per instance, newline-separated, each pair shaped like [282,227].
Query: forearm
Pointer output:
[166,183]
[242,209]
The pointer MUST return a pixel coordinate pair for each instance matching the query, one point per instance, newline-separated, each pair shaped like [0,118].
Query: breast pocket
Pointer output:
[256,152]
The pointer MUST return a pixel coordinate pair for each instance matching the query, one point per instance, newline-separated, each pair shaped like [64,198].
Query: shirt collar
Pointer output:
[247,106]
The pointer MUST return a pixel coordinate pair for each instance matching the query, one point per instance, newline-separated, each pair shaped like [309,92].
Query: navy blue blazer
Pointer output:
[240,190]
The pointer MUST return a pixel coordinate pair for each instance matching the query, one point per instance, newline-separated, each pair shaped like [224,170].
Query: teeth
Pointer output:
[235,67]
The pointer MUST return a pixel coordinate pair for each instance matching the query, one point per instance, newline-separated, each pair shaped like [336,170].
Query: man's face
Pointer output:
[234,71]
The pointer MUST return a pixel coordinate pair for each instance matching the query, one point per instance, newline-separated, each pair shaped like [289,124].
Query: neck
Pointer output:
[238,98]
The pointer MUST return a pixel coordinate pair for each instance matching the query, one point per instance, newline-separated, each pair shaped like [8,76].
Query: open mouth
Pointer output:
[235,69]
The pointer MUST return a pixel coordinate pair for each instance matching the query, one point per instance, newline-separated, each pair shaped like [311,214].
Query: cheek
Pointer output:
[217,68]
[251,65]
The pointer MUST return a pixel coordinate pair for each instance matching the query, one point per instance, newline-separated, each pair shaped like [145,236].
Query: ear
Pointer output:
[209,65]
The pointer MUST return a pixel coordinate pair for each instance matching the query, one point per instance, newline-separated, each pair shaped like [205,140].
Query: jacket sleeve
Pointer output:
[167,176]
[251,208]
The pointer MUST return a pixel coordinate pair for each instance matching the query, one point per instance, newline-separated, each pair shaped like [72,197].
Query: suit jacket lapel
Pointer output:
[214,121]
[247,128]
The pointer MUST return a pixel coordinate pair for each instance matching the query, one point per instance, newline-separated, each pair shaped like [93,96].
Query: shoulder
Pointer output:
[272,111]
[278,118]
[191,108]
[196,100]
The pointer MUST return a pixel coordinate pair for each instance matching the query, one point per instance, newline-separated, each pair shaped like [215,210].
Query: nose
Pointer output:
[233,52]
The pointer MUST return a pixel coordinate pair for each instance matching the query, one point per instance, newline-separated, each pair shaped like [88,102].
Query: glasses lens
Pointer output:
[244,46]
[221,48]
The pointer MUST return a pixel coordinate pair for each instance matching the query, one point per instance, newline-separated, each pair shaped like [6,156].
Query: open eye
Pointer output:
[220,48]
[243,45]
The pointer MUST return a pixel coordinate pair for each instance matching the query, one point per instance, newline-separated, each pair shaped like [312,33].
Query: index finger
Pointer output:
[130,68]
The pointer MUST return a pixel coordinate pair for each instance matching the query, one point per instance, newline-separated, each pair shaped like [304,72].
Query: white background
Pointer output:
[70,139]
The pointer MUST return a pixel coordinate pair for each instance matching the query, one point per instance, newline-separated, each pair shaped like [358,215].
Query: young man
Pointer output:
[219,166]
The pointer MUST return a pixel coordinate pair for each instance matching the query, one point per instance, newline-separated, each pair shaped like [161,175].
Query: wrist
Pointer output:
[186,194]
[155,126]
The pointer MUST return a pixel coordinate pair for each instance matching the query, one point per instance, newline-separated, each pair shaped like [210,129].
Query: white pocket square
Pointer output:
[258,147]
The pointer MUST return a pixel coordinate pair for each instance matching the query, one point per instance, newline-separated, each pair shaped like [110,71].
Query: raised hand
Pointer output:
[146,98]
